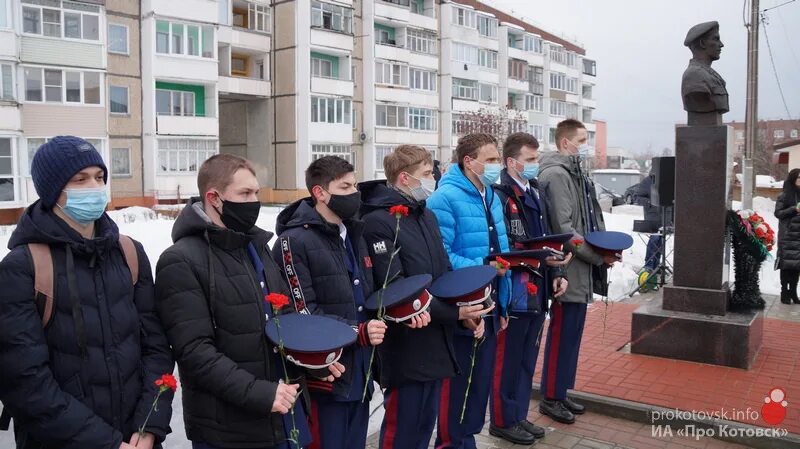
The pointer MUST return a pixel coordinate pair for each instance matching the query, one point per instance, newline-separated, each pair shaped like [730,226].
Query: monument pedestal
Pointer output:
[690,320]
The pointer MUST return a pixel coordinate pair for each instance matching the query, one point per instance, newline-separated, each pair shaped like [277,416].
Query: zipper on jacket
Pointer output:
[262,312]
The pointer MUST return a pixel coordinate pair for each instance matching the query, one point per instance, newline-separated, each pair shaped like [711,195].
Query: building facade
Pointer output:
[159,86]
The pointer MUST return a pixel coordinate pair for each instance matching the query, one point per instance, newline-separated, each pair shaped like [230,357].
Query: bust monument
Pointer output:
[705,97]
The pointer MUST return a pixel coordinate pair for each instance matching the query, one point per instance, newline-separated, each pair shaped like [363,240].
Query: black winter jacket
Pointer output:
[60,396]
[788,230]
[212,308]
[322,285]
[422,252]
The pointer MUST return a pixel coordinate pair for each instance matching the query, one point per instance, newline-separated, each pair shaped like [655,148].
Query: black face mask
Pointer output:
[240,217]
[345,206]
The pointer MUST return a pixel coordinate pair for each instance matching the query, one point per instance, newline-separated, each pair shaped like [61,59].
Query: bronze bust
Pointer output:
[705,97]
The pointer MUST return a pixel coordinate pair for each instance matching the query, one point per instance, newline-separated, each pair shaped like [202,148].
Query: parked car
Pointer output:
[617,180]
[607,198]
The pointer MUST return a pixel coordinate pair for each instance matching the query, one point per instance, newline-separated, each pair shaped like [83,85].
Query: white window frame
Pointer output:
[532,44]
[465,53]
[572,85]
[178,160]
[421,41]
[419,78]
[536,131]
[793,134]
[517,69]
[183,95]
[14,175]
[487,58]
[558,108]
[7,70]
[127,39]
[63,101]
[255,12]
[558,81]
[121,174]
[398,112]
[397,73]
[5,11]
[487,26]
[318,11]
[79,8]
[341,150]
[465,89]
[492,89]
[558,54]
[464,17]
[585,111]
[778,134]
[127,100]
[341,108]
[423,119]
[184,53]
[534,102]
[317,65]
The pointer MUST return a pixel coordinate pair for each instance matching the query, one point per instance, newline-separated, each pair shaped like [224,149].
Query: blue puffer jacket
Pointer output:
[459,209]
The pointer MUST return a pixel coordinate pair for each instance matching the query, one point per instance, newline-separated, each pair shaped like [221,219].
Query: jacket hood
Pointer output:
[379,195]
[193,220]
[556,159]
[41,225]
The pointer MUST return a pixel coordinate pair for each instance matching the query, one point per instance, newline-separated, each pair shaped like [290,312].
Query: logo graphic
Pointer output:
[774,409]
[379,247]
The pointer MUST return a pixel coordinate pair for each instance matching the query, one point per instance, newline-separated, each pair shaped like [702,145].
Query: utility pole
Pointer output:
[751,109]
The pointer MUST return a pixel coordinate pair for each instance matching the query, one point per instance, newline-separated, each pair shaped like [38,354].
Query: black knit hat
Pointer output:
[57,161]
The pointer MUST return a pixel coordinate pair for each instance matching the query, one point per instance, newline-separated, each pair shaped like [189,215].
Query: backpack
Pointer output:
[44,286]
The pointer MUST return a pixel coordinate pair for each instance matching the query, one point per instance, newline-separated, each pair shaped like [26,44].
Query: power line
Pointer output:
[778,6]
[772,61]
[788,41]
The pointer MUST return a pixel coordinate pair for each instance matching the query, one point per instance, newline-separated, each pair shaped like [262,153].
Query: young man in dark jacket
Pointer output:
[322,251]
[518,346]
[79,375]
[211,287]
[414,357]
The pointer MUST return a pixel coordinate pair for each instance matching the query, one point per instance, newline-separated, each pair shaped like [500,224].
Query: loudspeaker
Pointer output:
[662,171]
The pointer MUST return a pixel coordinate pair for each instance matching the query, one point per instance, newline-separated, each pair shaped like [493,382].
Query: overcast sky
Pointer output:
[638,45]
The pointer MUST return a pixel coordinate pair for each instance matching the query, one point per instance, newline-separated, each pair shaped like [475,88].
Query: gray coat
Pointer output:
[562,182]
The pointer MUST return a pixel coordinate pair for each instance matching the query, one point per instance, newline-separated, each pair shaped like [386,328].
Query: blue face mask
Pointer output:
[491,172]
[529,170]
[85,205]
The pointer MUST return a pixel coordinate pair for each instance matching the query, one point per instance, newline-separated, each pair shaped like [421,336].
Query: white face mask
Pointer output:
[584,150]
[424,190]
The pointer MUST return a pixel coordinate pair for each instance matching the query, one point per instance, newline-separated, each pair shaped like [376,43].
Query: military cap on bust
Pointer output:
[699,30]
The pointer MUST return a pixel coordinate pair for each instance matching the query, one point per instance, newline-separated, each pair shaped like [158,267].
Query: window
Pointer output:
[398,2]
[331,17]
[487,58]
[533,44]
[488,93]
[391,116]
[572,85]
[558,54]
[184,155]
[321,67]
[572,59]
[587,91]
[465,53]
[319,150]
[240,65]
[558,81]
[331,110]
[180,39]
[534,103]
[57,86]
[487,26]
[6,168]
[73,81]
[55,18]
[259,16]
[517,69]
[552,135]
[52,86]
[384,36]
[589,67]
[558,108]
[4,13]
[381,151]
[793,134]
[6,80]
[390,73]
[120,162]
[175,102]
[33,145]
[572,111]
[421,41]
[33,84]
[536,80]
[91,88]
[422,79]
[739,135]
[260,72]
[464,17]
[587,115]
[515,41]
[536,131]
[778,134]
[117,38]
[465,89]
[118,99]
[422,119]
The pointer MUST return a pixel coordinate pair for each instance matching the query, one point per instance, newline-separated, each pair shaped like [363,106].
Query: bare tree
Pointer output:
[499,122]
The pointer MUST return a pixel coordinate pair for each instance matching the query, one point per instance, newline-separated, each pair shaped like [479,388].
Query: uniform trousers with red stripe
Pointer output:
[515,362]
[410,416]
[561,351]
[338,424]
[452,434]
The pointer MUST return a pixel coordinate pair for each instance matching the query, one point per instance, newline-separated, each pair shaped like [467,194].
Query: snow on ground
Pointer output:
[153,230]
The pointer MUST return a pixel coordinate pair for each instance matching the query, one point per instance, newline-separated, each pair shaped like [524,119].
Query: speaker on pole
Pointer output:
[663,173]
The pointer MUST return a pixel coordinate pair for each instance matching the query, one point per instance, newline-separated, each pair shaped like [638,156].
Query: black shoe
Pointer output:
[516,434]
[533,429]
[793,296]
[574,407]
[786,298]
[556,410]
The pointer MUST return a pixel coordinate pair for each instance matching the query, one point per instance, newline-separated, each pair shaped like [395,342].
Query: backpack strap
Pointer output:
[43,280]
[131,256]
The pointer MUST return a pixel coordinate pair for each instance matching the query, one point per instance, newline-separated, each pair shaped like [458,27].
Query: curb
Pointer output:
[735,432]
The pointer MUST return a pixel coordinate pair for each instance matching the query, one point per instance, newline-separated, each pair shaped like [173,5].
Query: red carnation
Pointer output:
[532,288]
[760,233]
[277,300]
[167,382]
[577,243]
[502,264]
[399,211]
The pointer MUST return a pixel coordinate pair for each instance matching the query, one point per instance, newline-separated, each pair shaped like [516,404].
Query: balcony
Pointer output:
[396,11]
[10,116]
[518,85]
[244,86]
[331,86]
[321,38]
[392,51]
[190,10]
[589,67]
[243,38]
[517,53]
[186,126]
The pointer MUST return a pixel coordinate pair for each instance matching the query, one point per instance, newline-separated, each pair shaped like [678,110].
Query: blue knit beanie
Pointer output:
[57,161]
